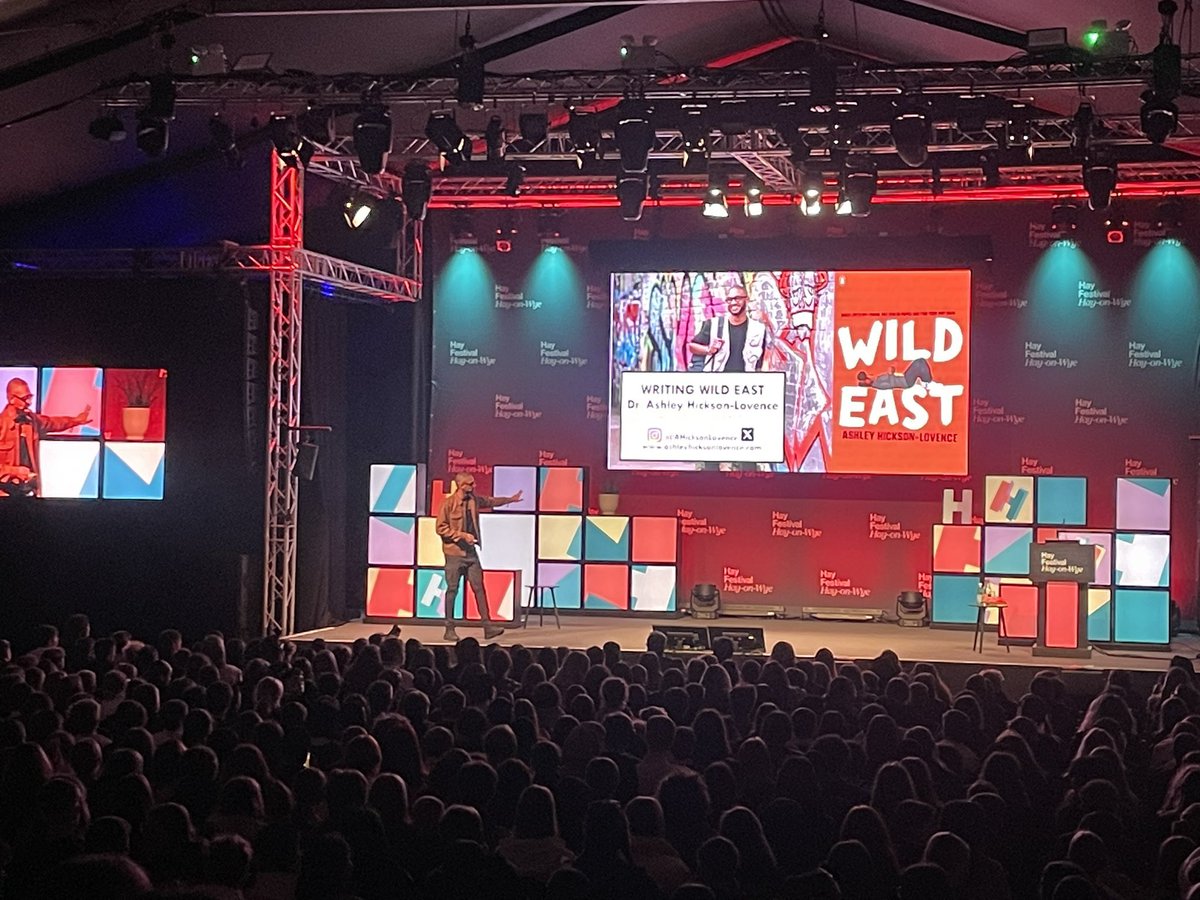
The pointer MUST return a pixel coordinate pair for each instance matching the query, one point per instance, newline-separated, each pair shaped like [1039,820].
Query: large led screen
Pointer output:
[81,432]
[875,370]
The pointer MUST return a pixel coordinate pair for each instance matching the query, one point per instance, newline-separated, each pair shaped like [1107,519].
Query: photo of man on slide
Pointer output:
[732,342]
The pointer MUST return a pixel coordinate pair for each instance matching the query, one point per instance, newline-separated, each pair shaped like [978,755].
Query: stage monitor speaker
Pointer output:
[745,640]
[705,601]
[911,609]
[685,637]
[305,466]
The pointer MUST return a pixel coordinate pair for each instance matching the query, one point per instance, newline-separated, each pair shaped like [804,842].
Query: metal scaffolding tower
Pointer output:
[286,265]
[285,316]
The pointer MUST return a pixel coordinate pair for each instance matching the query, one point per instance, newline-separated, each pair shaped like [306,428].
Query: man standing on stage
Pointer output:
[458,525]
[20,430]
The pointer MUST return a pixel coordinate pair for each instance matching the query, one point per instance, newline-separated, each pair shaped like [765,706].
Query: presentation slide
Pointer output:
[76,432]
[875,370]
[736,416]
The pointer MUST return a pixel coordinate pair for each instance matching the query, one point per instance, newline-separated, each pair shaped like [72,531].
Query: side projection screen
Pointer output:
[78,432]
[863,372]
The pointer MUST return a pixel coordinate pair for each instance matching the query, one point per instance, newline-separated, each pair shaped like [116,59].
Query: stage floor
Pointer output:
[847,640]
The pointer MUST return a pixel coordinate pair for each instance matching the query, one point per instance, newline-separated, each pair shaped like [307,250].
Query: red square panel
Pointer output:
[1062,615]
[606,586]
[655,539]
[502,587]
[1020,619]
[560,489]
[390,593]
[956,548]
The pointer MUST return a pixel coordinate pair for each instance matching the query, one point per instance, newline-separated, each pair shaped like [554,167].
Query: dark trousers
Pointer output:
[918,369]
[456,567]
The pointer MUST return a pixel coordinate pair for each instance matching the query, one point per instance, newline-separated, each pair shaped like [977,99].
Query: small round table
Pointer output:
[981,620]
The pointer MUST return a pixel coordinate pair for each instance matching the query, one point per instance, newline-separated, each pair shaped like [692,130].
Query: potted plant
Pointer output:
[140,390]
[609,497]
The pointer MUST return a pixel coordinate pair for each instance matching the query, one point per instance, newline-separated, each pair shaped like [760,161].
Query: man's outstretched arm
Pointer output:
[54,424]
[493,502]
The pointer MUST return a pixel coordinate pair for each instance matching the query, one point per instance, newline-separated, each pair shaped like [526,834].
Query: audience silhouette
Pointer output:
[264,770]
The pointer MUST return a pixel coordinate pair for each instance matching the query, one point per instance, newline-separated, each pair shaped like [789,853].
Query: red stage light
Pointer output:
[503,245]
[590,197]
[1115,236]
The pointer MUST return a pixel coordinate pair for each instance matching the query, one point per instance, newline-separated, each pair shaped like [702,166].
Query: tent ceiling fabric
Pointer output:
[54,151]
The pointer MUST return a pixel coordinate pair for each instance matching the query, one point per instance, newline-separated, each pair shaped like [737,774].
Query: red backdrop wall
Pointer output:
[1083,356]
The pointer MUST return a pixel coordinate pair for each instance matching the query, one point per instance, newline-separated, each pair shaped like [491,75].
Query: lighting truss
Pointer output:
[761,151]
[691,84]
[325,272]
[894,185]
[1045,133]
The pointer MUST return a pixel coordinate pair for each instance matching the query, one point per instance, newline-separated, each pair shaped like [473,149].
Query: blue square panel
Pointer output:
[1061,500]
[133,470]
[1141,617]
[1006,549]
[567,580]
[954,599]
[431,593]
[606,539]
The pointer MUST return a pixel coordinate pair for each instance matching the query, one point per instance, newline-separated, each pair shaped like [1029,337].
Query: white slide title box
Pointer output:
[702,416]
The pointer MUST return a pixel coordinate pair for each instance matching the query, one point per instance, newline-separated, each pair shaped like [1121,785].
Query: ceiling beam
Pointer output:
[74,54]
[540,34]
[326,7]
[951,21]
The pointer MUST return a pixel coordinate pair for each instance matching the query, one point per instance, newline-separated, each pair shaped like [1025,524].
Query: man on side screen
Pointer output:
[20,431]
[458,526]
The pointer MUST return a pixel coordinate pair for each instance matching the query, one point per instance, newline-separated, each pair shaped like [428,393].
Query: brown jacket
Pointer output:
[452,521]
[13,435]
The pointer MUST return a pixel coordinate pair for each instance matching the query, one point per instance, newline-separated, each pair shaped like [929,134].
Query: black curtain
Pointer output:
[321,596]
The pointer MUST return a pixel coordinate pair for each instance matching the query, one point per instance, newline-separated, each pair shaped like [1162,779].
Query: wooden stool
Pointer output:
[537,599]
[981,620]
